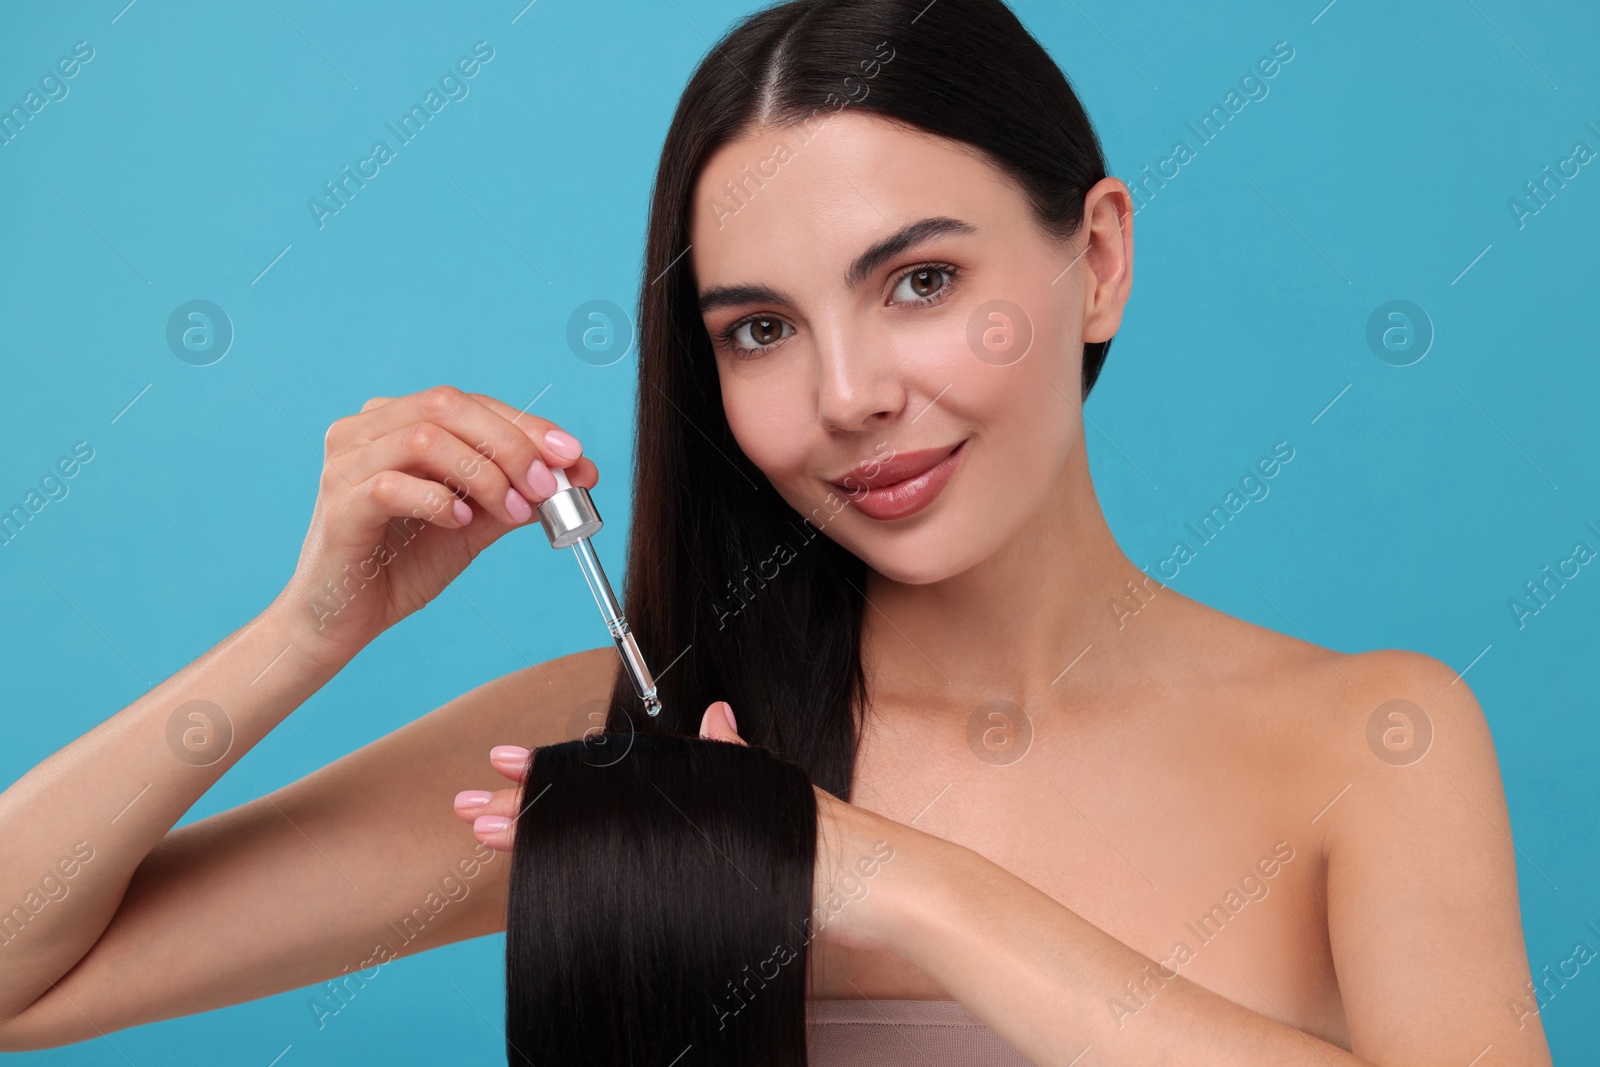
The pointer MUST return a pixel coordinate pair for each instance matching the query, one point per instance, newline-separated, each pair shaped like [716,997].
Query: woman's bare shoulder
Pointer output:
[1353,716]
[333,876]
[1338,740]
[1387,760]
[1310,707]
[1278,655]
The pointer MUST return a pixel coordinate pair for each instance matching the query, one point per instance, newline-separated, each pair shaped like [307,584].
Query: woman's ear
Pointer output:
[718,724]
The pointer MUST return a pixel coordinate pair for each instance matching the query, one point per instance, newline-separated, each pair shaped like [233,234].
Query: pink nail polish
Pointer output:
[563,444]
[461,511]
[473,798]
[508,754]
[518,506]
[727,710]
[541,480]
[490,824]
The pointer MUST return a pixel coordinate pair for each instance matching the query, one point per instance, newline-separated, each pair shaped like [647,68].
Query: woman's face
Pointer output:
[848,358]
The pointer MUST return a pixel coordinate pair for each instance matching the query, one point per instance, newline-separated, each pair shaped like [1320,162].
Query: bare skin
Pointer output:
[1171,751]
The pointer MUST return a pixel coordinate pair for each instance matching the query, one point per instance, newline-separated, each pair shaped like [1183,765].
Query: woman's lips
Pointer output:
[906,497]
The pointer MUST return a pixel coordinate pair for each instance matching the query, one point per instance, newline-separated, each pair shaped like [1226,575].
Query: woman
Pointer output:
[884,267]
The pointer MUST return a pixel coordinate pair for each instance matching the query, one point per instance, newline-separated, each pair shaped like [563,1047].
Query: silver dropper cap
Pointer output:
[569,515]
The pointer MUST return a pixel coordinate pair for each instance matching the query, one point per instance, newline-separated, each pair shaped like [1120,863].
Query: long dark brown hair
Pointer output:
[660,906]
[745,599]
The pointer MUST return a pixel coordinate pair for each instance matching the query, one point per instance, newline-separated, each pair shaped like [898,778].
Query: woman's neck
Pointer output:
[1016,624]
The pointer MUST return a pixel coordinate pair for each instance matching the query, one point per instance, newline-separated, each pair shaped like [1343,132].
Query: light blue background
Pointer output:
[1379,167]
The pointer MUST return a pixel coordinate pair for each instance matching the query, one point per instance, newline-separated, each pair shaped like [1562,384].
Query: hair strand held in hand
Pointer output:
[660,906]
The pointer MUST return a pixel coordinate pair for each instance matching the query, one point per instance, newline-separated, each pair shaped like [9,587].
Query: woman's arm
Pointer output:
[79,825]
[1422,906]
[328,877]
[92,874]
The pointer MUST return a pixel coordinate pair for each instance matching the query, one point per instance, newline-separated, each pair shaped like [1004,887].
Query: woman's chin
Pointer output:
[911,565]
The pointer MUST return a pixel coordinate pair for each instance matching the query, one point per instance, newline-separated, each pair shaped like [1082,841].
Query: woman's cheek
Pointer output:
[767,438]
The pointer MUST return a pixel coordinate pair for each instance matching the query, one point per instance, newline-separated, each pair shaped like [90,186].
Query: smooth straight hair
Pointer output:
[744,596]
[660,905]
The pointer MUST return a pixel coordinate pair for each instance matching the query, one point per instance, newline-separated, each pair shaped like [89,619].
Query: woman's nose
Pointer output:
[858,382]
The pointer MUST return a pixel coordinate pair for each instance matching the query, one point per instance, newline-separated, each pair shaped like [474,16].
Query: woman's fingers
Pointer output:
[559,448]
[524,450]
[510,760]
[499,832]
[493,815]
[473,803]
[718,724]
[391,494]
[431,450]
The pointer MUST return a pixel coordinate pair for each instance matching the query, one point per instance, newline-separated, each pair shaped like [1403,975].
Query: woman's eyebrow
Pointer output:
[721,296]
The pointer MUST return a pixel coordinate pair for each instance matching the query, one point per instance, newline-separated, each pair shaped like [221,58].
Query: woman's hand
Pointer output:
[857,891]
[412,489]
[493,814]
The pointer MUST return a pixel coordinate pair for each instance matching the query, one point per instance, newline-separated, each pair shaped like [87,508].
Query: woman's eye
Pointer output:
[920,285]
[924,283]
[759,333]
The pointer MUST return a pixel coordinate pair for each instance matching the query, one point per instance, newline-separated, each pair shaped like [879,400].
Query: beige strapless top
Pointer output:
[912,1033]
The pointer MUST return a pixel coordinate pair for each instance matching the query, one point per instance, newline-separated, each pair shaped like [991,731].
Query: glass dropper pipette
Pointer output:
[570,518]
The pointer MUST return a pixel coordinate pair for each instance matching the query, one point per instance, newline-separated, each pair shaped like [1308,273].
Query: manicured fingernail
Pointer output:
[727,710]
[563,444]
[472,798]
[541,480]
[462,513]
[490,824]
[519,507]
[508,754]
